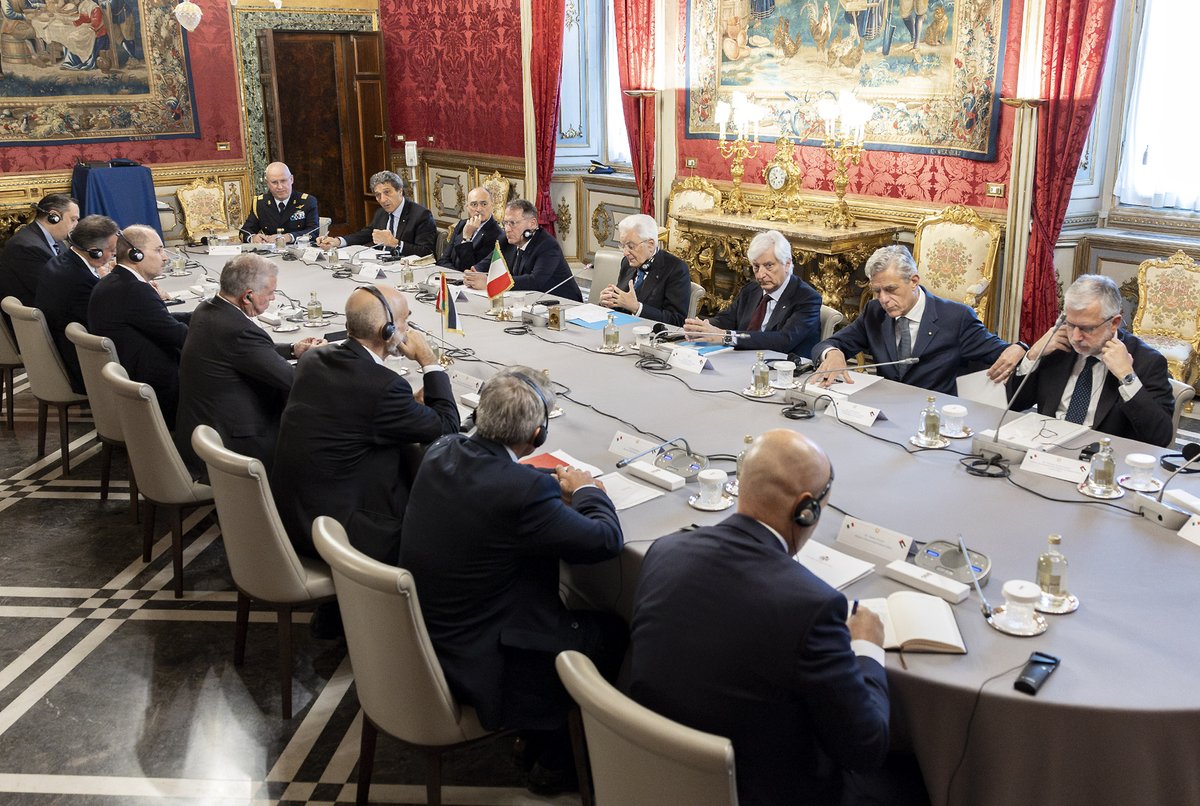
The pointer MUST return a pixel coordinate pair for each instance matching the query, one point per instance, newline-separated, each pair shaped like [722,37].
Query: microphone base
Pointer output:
[1162,513]
[533,319]
[658,351]
[994,450]
[815,399]
[682,463]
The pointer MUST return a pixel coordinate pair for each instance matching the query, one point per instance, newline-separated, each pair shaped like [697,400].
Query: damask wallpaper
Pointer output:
[468,104]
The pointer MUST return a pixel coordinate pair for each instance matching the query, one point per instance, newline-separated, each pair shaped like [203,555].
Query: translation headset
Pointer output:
[808,511]
[527,234]
[135,255]
[387,331]
[539,437]
[52,216]
[95,253]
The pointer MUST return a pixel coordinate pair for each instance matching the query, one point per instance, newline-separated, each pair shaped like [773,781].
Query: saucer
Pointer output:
[998,622]
[726,503]
[287,327]
[611,350]
[795,384]
[732,487]
[749,392]
[1116,493]
[1125,481]
[1069,604]
[941,443]
[319,323]
[966,432]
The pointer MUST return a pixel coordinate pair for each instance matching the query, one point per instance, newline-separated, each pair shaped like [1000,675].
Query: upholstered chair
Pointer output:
[10,361]
[1168,312]
[956,253]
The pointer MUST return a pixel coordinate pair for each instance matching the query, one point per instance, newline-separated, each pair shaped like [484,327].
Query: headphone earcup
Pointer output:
[807,512]
[53,217]
[539,436]
[527,234]
[136,255]
[387,331]
[95,254]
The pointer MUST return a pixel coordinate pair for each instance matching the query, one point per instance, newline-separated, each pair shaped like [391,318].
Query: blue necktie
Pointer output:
[1081,396]
[639,279]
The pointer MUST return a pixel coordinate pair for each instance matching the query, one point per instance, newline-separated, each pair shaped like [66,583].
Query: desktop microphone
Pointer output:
[660,333]
[559,284]
[991,449]
[686,464]
[984,605]
[297,236]
[819,400]
[1157,510]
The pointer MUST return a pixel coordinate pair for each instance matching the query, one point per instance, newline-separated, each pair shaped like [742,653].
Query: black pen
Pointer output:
[854,608]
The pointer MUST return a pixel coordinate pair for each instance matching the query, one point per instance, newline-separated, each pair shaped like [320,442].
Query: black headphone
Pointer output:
[95,253]
[539,437]
[808,511]
[135,255]
[527,234]
[52,216]
[387,331]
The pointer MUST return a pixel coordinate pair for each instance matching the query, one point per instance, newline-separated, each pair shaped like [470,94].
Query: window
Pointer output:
[592,123]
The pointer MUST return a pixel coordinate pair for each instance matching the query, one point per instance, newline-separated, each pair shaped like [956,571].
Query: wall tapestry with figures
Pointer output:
[929,68]
[77,71]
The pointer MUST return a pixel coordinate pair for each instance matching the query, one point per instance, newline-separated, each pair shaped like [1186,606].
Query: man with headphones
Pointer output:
[232,376]
[483,538]
[731,636]
[350,435]
[535,260]
[67,281]
[127,307]
[29,250]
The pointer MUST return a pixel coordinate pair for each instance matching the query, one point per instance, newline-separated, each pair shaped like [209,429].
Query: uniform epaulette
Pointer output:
[260,197]
[303,196]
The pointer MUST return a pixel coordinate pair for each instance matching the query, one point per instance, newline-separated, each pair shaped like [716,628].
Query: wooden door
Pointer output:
[367,88]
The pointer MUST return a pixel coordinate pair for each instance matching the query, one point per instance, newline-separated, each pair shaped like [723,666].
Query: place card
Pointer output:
[225,249]
[626,445]
[853,413]
[1056,467]
[1191,530]
[876,541]
[371,271]
[310,254]
[688,360]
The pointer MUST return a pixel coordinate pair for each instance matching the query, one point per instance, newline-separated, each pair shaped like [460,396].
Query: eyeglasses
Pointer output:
[631,245]
[512,224]
[1088,330]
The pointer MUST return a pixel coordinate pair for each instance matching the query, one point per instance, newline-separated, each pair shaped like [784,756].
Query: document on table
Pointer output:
[626,492]
[836,569]
[588,313]
[1037,431]
[977,386]
[842,390]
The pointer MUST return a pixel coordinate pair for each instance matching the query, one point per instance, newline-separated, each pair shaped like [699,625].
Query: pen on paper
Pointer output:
[854,608]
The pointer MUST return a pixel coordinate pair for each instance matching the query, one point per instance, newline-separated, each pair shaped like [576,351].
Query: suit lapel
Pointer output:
[779,313]
[887,329]
[928,327]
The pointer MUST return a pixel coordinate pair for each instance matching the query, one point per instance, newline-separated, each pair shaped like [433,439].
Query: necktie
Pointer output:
[639,279]
[392,223]
[57,249]
[904,350]
[760,313]
[1081,397]
[281,205]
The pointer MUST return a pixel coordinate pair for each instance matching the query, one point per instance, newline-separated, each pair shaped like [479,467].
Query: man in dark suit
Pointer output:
[29,250]
[231,375]
[349,439]
[127,307]
[905,321]
[400,225]
[67,281]
[535,259]
[1093,372]
[474,237]
[281,211]
[778,312]
[653,283]
[731,636]
[483,537]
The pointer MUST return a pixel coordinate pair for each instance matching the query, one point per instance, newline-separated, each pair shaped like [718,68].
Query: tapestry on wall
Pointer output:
[929,68]
[78,71]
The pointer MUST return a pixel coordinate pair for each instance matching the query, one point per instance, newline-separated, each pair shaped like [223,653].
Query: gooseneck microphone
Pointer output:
[660,333]
[1164,514]
[1191,452]
[898,362]
[558,284]
[686,465]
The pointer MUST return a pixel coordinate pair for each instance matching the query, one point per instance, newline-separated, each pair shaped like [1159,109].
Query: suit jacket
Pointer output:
[949,340]
[234,378]
[666,291]
[483,537]
[731,636]
[348,446]
[1146,416]
[25,256]
[299,216]
[62,295]
[416,230]
[794,326]
[148,338]
[475,253]
[541,266]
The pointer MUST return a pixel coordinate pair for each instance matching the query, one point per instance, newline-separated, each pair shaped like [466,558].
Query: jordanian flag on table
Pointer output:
[499,280]
[445,306]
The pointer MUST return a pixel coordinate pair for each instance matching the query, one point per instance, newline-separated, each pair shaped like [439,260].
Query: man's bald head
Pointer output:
[781,469]
[365,314]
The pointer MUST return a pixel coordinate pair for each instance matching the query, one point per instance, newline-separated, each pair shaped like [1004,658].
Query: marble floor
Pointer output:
[114,692]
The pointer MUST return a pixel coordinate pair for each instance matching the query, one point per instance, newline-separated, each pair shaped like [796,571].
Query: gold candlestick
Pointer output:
[737,152]
[844,153]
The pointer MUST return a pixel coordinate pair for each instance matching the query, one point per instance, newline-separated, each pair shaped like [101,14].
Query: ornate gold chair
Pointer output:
[203,206]
[690,193]
[501,190]
[1168,312]
[956,254]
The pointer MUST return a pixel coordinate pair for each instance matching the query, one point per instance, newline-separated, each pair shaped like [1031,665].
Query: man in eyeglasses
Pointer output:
[1093,372]
[535,260]
[653,283]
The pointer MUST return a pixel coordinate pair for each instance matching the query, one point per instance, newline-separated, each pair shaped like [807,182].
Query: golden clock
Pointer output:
[783,177]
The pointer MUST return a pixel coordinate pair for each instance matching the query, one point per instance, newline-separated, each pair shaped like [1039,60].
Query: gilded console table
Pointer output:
[714,247]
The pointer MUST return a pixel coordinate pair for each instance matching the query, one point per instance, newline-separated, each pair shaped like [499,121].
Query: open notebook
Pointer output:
[917,622]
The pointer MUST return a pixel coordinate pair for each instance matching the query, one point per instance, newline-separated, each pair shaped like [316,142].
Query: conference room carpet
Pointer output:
[114,692]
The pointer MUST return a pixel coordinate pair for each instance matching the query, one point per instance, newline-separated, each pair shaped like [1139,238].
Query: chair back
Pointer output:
[261,557]
[94,352]
[501,190]
[43,365]
[956,253]
[694,299]
[1183,394]
[10,354]
[640,758]
[830,318]
[161,474]
[606,270]
[439,247]
[691,193]
[1168,311]
[203,205]
[399,679]
[323,223]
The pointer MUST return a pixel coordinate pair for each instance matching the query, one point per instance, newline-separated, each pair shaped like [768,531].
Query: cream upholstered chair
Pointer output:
[501,190]
[691,193]
[640,758]
[10,361]
[400,683]
[606,270]
[1168,312]
[1183,394]
[203,205]
[163,479]
[694,299]
[830,318]
[264,565]
[47,375]
[956,253]
[94,352]
[323,223]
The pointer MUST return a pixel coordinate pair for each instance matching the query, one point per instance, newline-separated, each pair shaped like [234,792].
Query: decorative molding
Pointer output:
[563,225]
[1140,218]
[571,133]
[1081,221]
[571,15]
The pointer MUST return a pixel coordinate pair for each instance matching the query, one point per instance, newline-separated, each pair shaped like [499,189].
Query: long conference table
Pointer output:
[1117,723]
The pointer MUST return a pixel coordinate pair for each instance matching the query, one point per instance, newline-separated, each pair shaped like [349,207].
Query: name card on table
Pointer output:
[853,413]
[371,271]
[688,360]
[310,254]
[1056,467]
[626,445]
[1191,530]
[225,249]
[886,544]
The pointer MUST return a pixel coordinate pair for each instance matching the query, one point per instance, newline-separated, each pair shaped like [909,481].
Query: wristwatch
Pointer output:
[1128,379]
[729,339]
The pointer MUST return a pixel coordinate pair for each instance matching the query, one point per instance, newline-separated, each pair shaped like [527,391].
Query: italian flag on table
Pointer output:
[498,280]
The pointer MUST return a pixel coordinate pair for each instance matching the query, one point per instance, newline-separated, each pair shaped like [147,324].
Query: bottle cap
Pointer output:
[1055,539]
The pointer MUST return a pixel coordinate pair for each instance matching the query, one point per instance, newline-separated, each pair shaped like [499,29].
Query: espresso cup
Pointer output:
[952,418]
[641,335]
[783,372]
[712,486]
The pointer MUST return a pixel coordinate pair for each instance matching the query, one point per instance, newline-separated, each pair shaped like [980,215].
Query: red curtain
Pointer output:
[1076,38]
[635,63]
[545,75]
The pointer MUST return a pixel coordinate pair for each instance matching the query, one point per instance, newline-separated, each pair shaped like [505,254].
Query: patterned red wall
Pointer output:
[886,174]
[215,77]
[454,72]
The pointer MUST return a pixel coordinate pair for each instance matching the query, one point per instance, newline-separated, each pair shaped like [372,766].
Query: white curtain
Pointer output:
[1159,163]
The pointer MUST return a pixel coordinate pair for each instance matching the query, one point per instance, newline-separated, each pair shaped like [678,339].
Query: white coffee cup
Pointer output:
[952,418]
[712,486]
[641,335]
[1141,466]
[783,372]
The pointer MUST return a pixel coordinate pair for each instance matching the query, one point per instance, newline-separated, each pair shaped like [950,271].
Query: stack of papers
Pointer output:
[625,492]
[834,568]
[594,317]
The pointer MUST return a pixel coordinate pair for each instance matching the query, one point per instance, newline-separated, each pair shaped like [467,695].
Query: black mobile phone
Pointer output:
[1089,451]
[1037,669]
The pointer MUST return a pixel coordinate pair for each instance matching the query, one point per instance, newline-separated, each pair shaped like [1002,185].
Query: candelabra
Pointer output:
[845,130]
[737,152]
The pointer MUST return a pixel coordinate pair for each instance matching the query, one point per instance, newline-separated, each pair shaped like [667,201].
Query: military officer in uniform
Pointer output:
[280,211]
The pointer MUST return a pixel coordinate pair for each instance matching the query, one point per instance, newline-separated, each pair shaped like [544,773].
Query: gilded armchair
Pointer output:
[203,206]
[956,253]
[1168,312]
